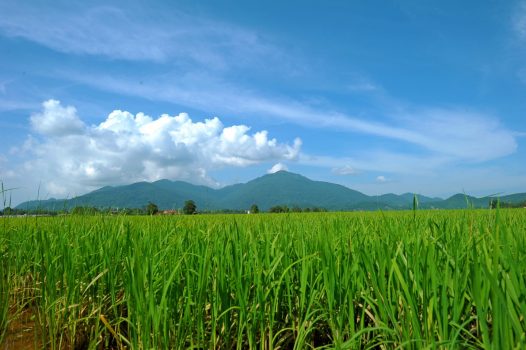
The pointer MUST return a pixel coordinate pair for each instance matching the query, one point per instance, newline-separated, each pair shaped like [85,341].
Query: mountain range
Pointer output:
[280,188]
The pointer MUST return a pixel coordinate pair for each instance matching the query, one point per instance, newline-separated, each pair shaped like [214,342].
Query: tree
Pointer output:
[276,209]
[7,211]
[189,207]
[152,208]
[254,209]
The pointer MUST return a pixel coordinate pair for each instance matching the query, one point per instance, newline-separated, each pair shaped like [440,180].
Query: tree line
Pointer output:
[495,203]
[189,208]
[295,209]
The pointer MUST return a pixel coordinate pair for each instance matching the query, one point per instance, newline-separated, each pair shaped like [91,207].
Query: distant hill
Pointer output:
[460,200]
[281,188]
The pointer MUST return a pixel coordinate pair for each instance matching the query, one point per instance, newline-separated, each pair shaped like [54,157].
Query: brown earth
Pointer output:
[22,332]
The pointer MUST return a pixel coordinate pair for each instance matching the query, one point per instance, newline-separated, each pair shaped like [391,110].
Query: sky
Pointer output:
[385,96]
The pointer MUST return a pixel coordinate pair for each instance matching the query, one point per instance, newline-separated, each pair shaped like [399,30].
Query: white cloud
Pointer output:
[345,170]
[70,156]
[136,34]
[460,134]
[381,161]
[5,174]
[56,120]
[381,179]
[277,167]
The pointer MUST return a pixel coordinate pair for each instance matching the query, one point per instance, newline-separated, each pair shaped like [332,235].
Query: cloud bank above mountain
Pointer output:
[68,155]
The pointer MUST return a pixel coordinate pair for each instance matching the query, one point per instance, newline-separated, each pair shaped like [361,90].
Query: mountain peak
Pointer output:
[279,188]
[285,173]
[282,172]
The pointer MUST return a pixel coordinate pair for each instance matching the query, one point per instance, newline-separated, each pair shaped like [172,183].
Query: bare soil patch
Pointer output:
[22,332]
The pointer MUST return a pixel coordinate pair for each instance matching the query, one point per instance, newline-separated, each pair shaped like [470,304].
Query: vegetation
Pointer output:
[189,207]
[254,209]
[85,211]
[295,209]
[496,203]
[282,188]
[8,211]
[152,208]
[435,279]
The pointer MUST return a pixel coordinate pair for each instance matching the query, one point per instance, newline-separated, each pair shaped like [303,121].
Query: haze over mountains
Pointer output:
[280,188]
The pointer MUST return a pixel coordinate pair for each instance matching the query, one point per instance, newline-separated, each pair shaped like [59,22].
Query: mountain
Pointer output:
[281,188]
[290,189]
[404,200]
[460,200]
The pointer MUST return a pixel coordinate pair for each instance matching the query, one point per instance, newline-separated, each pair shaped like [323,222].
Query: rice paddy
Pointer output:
[411,280]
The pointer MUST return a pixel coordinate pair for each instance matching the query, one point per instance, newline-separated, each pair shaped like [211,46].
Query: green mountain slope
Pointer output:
[284,188]
[403,201]
[281,188]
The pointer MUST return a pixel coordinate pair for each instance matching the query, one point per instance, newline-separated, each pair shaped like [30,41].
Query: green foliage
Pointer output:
[406,280]
[152,209]
[7,211]
[189,207]
[4,286]
[495,202]
[254,209]
[278,209]
[85,211]
[318,210]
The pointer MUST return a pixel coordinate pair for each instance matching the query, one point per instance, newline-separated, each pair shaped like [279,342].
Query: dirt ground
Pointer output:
[22,333]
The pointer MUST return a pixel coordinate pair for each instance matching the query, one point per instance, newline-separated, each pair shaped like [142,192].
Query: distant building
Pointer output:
[170,212]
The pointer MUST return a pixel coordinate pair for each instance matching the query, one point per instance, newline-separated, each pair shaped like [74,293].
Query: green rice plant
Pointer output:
[4,286]
[4,269]
[415,279]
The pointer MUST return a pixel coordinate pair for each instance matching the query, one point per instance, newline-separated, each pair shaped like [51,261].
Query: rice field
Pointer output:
[408,280]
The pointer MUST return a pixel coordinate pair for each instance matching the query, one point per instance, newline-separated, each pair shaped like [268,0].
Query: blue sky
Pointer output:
[380,96]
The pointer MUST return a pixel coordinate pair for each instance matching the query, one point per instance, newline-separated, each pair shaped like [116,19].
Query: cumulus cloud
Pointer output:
[56,120]
[462,134]
[68,155]
[277,167]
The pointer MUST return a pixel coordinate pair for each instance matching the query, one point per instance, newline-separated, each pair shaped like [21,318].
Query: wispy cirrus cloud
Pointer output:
[345,170]
[456,133]
[378,161]
[132,34]
[519,20]
[199,51]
